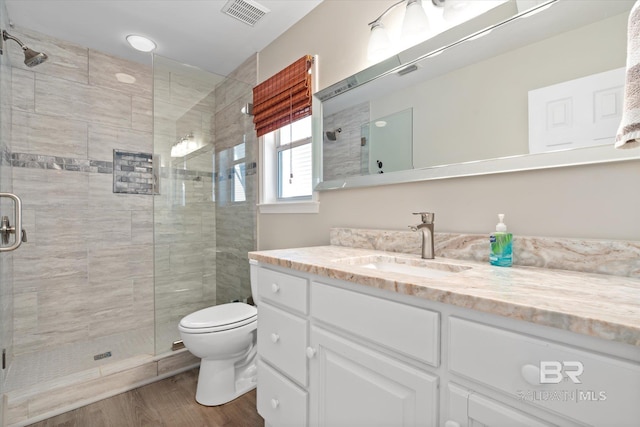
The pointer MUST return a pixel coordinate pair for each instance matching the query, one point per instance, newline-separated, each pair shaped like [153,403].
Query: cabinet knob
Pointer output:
[275,288]
[311,352]
[531,374]
[275,338]
[450,423]
[275,403]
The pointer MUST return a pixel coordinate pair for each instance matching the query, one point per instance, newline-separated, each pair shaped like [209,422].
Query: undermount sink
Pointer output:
[411,267]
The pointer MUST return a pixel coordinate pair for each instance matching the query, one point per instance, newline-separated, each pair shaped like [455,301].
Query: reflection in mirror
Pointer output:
[387,143]
[471,102]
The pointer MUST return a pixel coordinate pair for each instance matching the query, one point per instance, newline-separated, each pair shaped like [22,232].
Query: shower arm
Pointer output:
[6,36]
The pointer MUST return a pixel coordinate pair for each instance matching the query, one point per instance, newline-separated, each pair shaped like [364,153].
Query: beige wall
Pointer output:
[597,201]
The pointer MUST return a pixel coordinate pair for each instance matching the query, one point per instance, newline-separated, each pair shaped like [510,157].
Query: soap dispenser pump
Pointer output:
[501,250]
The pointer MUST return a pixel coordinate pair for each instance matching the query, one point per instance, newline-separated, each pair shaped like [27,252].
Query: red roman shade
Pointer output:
[283,98]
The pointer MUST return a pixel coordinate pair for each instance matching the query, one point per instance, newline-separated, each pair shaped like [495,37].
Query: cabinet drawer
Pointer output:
[468,408]
[279,401]
[282,340]
[405,329]
[283,289]
[585,386]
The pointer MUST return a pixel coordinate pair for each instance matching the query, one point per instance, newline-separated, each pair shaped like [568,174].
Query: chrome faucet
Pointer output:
[427,233]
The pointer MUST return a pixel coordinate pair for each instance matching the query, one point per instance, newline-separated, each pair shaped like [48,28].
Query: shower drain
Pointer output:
[102,355]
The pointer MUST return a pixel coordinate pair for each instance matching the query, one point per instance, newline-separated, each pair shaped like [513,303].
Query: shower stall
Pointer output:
[139,199]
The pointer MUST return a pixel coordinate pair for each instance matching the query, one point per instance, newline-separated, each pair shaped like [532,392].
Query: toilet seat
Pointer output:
[219,318]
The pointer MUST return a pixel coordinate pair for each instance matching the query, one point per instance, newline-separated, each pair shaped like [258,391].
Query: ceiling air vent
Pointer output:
[247,11]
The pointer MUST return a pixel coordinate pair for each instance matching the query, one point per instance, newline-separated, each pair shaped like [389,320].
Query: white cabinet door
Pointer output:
[353,386]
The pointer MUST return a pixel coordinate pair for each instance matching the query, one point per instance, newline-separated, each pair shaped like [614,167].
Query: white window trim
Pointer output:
[268,178]
[269,203]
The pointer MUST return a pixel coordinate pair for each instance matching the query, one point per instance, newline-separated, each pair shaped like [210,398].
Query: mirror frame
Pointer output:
[517,163]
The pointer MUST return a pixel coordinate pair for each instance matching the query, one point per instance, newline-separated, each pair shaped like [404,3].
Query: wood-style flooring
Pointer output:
[167,403]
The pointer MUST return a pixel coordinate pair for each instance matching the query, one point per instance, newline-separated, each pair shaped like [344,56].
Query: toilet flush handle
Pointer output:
[275,288]
[275,338]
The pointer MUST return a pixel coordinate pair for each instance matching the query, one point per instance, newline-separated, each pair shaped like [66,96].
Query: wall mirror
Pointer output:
[473,94]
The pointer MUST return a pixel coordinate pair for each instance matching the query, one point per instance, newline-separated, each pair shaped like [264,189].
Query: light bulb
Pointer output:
[415,21]
[378,43]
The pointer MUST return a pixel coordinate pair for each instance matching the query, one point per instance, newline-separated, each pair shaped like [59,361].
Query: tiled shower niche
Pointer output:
[133,173]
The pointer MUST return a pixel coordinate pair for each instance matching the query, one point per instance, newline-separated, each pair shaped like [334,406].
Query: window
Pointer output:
[282,118]
[293,148]
[239,176]
[287,169]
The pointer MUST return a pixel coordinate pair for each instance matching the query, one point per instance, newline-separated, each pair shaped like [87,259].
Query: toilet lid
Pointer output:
[220,315]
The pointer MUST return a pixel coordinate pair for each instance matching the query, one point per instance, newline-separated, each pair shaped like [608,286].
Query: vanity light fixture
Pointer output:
[415,23]
[423,19]
[141,43]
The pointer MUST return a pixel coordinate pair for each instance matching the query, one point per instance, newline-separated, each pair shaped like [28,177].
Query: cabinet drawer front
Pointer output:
[587,387]
[283,289]
[468,408]
[279,401]
[409,330]
[282,340]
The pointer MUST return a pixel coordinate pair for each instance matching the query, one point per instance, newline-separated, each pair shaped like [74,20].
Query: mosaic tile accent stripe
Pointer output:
[5,156]
[38,161]
[250,169]
[185,173]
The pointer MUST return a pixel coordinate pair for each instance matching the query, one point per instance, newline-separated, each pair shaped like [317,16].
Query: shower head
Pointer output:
[332,134]
[31,57]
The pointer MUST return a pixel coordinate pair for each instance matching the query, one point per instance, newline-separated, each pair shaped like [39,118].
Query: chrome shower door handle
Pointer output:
[6,230]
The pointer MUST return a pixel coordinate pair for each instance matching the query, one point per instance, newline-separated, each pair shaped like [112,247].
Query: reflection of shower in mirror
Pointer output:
[332,135]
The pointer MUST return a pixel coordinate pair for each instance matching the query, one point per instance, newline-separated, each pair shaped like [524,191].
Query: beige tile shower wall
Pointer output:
[595,201]
[86,272]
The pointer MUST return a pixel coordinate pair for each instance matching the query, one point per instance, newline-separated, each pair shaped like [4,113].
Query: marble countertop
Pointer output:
[598,305]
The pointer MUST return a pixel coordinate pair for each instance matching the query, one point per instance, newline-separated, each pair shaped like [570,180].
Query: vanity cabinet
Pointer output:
[347,361]
[334,353]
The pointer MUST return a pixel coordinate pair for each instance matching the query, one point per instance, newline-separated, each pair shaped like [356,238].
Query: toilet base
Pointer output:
[220,382]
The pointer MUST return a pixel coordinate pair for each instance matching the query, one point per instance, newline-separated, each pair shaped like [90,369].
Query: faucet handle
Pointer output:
[427,217]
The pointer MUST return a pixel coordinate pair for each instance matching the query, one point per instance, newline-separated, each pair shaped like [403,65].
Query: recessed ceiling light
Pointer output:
[141,43]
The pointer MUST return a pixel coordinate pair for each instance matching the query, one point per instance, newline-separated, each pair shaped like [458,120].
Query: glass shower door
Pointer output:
[6,258]
[204,208]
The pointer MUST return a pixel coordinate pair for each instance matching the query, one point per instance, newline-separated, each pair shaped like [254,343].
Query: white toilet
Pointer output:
[224,337]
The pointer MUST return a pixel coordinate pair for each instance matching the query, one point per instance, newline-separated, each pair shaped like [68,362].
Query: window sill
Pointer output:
[307,207]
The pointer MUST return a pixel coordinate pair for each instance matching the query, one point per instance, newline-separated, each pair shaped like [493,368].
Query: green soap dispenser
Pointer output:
[501,253]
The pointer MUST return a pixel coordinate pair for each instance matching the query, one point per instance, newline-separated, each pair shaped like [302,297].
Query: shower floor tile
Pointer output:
[71,362]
